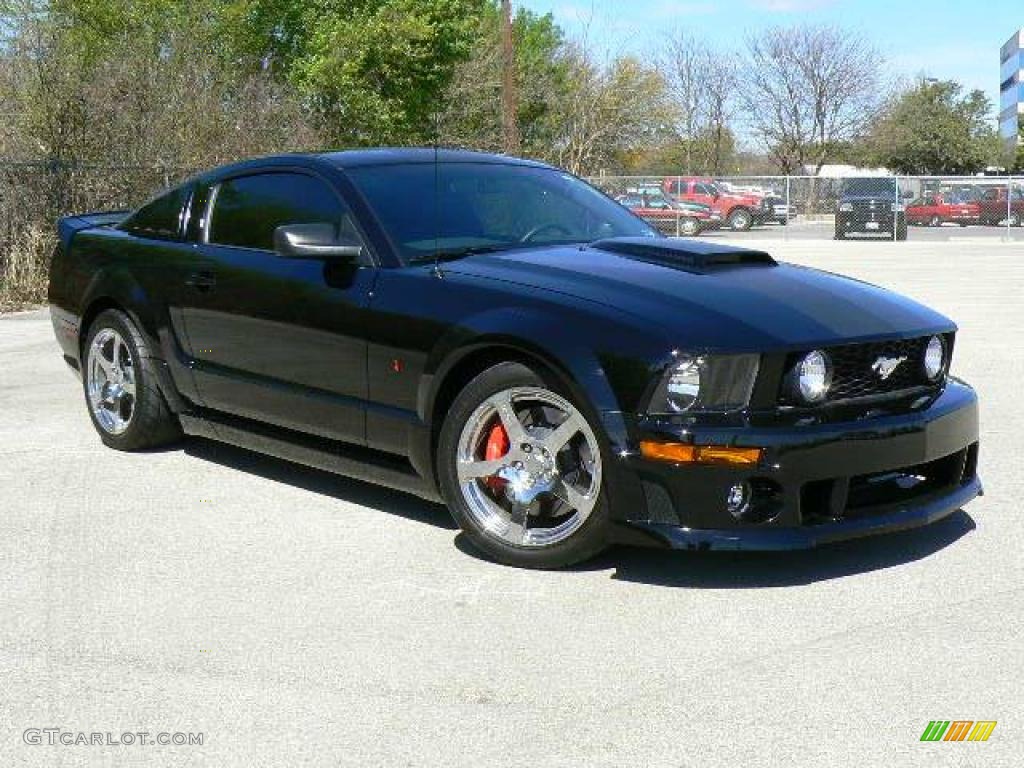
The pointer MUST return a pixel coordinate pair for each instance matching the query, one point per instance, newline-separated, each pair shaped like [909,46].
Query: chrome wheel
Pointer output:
[529,467]
[689,226]
[110,381]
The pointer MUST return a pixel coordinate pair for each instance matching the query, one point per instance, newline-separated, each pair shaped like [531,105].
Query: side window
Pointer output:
[159,219]
[248,209]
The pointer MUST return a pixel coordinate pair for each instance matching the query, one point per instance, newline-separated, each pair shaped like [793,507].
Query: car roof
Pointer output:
[354,158]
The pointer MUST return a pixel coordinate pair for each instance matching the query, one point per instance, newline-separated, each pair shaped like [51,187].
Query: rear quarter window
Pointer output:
[160,218]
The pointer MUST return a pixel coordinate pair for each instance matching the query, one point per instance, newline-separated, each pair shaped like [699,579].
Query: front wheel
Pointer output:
[520,467]
[689,227]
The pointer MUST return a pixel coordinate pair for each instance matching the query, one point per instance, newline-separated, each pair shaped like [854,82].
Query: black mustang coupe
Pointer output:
[496,334]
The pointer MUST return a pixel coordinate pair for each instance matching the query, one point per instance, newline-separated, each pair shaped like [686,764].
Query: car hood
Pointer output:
[710,297]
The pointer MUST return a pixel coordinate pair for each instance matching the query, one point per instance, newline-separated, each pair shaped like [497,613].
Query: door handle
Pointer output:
[201,281]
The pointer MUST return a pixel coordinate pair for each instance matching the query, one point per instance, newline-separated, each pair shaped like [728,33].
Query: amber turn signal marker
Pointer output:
[699,454]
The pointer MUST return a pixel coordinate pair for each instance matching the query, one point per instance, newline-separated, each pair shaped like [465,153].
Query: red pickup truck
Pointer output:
[738,211]
[937,208]
[994,207]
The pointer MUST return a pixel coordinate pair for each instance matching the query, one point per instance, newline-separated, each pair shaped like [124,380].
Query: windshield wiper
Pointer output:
[451,254]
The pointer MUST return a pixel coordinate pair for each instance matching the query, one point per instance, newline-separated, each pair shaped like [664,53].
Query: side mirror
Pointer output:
[314,241]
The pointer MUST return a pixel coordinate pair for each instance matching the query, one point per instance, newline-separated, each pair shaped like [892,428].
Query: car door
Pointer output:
[279,340]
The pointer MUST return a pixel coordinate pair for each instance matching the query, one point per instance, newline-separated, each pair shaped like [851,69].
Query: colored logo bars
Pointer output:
[958,730]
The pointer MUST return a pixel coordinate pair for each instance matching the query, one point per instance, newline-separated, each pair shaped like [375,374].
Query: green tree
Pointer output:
[375,70]
[932,129]
[472,111]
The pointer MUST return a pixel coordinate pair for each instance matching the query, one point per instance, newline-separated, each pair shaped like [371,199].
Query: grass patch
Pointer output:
[24,268]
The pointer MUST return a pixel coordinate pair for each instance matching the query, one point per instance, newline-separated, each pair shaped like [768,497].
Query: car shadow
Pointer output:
[658,567]
[752,570]
[324,483]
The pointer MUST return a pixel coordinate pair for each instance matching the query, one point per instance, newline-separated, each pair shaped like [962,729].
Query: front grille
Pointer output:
[855,374]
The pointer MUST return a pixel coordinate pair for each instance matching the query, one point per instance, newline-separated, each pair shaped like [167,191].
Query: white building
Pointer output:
[1011,87]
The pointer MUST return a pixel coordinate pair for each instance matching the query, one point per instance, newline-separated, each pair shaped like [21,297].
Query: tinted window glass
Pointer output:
[247,210]
[488,205]
[870,187]
[160,218]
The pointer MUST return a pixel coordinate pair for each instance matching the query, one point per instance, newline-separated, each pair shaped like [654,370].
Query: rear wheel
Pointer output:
[935,222]
[119,377]
[520,467]
[740,219]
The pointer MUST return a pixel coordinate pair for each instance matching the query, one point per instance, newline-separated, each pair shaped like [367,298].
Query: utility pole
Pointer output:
[509,124]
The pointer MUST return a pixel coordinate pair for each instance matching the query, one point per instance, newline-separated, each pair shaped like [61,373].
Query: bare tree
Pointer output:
[807,88]
[610,110]
[701,85]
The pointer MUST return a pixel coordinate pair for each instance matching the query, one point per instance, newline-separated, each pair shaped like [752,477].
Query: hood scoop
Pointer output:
[687,255]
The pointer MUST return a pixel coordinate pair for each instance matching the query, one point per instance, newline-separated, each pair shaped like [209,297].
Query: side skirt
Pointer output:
[351,461]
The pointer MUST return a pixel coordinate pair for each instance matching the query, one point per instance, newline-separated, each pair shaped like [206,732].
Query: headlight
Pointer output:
[811,377]
[718,383]
[846,207]
[934,358]
[683,386]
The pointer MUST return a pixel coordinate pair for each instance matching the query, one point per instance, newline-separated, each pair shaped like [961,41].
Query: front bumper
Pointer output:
[869,222]
[817,483]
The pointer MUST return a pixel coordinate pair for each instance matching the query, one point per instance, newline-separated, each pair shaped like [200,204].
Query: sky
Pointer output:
[935,38]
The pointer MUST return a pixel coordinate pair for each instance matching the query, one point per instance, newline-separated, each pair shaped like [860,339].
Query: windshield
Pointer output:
[870,187]
[458,208]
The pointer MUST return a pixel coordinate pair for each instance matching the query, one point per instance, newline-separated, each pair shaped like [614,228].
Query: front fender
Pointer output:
[580,356]
[604,365]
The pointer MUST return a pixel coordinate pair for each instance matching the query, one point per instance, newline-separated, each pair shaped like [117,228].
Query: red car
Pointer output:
[994,207]
[738,211]
[938,208]
[669,216]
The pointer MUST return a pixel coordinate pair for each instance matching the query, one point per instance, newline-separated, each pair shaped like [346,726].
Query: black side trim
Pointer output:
[331,456]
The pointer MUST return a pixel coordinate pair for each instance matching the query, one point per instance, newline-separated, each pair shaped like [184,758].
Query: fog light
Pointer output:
[738,499]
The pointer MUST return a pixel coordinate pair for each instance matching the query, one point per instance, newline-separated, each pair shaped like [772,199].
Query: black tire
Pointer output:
[586,542]
[840,235]
[935,222]
[152,423]
[740,219]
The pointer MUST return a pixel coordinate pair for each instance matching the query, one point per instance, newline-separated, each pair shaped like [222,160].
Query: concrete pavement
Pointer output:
[295,618]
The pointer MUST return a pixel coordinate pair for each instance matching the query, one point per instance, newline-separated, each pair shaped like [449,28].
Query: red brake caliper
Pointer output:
[497,446]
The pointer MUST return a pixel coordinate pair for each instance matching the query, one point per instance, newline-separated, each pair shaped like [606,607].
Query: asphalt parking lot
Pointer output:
[294,617]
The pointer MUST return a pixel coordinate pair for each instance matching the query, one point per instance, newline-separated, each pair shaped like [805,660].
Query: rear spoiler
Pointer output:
[69,226]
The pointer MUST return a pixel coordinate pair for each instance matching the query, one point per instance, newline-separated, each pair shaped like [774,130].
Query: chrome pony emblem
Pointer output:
[884,366]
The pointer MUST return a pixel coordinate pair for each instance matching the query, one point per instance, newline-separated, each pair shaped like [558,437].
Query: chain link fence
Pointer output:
[922,208]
